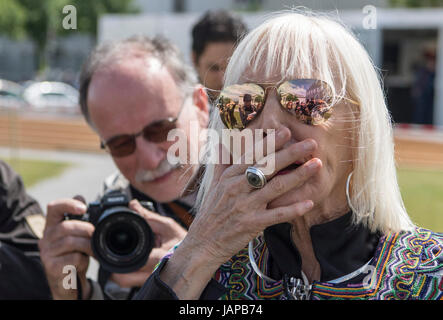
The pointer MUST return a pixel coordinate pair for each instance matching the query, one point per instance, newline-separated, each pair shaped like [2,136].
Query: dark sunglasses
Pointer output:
[309,100]
[157,132]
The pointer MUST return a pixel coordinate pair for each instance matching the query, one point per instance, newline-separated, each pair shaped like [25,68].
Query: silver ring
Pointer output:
[256,178]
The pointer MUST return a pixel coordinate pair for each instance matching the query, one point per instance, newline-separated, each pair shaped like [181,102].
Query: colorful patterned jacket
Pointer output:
[406,265]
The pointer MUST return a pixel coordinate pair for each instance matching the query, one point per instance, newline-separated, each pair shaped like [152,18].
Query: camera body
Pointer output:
[122,240]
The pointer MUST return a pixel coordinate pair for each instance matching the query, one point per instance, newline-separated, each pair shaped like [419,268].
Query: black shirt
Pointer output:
[21,272]
[339,247]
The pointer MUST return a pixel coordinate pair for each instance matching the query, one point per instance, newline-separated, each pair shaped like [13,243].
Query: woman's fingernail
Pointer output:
[308,204]
[313,164]
[282,132]
[308,145]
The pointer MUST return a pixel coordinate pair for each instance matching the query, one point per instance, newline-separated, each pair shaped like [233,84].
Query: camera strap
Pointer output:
[181,213]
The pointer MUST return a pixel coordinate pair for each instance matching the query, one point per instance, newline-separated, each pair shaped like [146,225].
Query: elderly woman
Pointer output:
[328,222]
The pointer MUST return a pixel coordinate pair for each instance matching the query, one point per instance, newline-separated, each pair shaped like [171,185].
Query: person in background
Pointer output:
[214,38]
[423,88]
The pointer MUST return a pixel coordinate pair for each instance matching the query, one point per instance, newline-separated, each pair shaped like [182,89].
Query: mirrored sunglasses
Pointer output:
[309,100]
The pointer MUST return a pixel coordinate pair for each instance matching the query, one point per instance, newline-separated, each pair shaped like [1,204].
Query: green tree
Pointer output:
[416,3]
[258,99]
[12,19]
[41,20]
[36,24]
[291,97]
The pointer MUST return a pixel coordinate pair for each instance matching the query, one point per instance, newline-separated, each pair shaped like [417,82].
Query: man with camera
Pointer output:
[132,93]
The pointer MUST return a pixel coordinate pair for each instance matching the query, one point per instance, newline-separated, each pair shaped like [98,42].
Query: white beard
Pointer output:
[150,175]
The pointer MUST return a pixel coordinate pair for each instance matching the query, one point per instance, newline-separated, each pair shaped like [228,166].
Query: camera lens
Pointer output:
[122,240]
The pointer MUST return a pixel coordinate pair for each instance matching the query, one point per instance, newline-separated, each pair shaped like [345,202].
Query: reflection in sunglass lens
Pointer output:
[307,99]
[240,104]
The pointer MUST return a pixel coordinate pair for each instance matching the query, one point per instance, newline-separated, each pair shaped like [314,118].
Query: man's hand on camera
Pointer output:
[66,244]
[167,234]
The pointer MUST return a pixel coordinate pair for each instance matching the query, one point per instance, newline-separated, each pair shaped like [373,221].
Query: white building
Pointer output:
[394,38]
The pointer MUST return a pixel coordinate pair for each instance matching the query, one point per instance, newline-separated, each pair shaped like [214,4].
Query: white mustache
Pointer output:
[150,175]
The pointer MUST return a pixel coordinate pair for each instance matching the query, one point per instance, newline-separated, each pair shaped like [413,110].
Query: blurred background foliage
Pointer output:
[416,3]
[30,19]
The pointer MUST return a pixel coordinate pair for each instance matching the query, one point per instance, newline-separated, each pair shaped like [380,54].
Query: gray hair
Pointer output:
[157,47]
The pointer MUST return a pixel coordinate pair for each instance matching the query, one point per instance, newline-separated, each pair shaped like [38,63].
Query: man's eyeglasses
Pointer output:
[157,132]
[309,100]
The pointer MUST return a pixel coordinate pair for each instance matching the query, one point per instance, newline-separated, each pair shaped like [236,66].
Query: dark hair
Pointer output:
[216,26]
[157,47]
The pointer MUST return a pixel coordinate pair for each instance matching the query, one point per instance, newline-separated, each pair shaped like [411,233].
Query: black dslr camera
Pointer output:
[122,240]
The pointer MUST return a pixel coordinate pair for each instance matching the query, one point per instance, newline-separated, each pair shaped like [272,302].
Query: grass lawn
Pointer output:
[422,191]
[33,171]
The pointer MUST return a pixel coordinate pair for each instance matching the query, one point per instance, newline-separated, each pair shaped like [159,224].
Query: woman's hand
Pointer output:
[233,213]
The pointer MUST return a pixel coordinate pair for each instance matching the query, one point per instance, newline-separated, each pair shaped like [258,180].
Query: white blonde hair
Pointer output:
[314,46]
